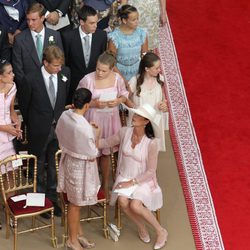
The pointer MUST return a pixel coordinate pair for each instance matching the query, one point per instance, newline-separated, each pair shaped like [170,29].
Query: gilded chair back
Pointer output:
[15,174]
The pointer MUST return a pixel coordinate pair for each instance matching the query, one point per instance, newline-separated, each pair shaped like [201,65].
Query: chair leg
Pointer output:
[158,215]
[53,233]
[119,223]
[105,227]
[66,223]
[15,233]
[7,216]
[33,221]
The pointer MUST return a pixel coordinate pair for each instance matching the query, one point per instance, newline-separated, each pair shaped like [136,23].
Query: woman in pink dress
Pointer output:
[78,172]
[136,184]
[9,123]
[108,92]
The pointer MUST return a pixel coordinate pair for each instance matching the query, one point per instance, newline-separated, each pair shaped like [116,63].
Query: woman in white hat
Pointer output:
[136,185]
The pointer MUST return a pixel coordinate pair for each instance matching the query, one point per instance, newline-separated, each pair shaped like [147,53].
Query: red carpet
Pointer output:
[212,40]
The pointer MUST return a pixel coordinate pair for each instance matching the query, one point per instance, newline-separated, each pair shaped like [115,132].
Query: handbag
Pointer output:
[113,232]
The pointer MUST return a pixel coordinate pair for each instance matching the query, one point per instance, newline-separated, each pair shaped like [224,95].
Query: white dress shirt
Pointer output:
[34,34]
[82,35]
[46,76]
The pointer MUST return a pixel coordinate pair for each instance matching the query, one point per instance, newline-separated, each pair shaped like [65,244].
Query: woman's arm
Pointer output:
[151,163]
[163,13]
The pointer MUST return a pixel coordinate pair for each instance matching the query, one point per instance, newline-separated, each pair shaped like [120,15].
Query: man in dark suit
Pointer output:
[4,45]
[74,47]
[29,44]
[42,99]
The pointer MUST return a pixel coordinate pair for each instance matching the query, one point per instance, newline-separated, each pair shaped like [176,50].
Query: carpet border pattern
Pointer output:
[198,198]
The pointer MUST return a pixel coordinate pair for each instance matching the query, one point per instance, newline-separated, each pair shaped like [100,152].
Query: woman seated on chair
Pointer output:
[137,164]
[10,126]
[78,172]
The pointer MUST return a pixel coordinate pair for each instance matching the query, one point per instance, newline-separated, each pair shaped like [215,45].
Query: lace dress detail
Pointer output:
[149,19]
[128,50]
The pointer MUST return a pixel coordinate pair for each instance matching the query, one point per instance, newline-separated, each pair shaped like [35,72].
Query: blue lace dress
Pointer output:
[128,48]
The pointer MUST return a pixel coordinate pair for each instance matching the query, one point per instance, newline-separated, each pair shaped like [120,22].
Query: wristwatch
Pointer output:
[60,14]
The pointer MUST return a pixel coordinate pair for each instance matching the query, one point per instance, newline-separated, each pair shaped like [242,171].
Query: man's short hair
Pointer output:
[86,11]
[53,52]
[36,7]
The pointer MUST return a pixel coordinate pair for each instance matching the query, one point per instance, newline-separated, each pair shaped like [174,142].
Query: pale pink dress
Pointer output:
[139,163]
[78,171]
[6,144]
[109,122]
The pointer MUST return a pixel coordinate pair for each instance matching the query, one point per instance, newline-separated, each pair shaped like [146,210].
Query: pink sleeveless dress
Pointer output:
[108,120]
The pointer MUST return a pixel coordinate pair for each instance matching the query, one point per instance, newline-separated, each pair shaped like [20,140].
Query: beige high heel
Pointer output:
[69,245]
[85,243]
[144,238]
[161,244]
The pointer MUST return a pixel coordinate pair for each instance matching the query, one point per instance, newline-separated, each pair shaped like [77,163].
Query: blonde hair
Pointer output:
[107,58]
[53,52]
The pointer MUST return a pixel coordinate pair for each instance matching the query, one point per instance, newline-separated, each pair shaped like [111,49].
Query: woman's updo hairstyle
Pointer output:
[3,64]
[125,10]
[81,97]
[107,58]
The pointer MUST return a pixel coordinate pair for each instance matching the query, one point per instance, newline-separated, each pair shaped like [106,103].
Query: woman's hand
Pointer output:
[162,106]
[99,104]
[13,129]
[124,184]
[163,18]
[97,128]
[114,102]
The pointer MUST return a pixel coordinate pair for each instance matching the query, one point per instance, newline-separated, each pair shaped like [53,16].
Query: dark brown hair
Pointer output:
[3,64]
[125,10]
[147,61]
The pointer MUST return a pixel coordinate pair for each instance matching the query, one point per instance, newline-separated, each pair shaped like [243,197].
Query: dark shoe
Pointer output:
[46,216]
[57,210]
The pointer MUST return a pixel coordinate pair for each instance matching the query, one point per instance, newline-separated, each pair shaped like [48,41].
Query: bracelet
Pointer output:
[134,181]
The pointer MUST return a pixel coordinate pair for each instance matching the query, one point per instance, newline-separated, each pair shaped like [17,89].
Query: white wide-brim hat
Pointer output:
[147,111]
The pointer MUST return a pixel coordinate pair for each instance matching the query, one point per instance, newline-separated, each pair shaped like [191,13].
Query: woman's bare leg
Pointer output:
[74,225]
[104,164]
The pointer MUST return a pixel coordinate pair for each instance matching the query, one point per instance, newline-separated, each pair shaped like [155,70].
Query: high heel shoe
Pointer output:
[144,237]
[161,244]
[85,243]
[69,245]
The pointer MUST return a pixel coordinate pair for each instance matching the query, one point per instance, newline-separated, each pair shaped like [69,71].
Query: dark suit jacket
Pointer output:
[10,24]
[52,5]
[75,58]
[25,59]
[4,44]
[36,108]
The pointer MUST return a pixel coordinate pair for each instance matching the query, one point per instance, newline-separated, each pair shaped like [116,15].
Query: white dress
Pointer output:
[153,97]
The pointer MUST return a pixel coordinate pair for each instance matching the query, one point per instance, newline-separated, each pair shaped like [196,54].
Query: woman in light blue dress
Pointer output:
[128,42]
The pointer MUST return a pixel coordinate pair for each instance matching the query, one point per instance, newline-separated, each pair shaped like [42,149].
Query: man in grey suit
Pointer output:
[29,44]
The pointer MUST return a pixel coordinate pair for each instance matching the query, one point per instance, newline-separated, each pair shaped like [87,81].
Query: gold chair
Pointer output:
[92,214]
[16,180]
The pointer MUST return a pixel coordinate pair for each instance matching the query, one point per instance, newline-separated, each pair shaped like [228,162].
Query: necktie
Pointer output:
[52,94]
[86,49]
[39,46]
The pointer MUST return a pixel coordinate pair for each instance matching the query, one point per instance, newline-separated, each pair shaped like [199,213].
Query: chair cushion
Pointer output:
[101,194]
[17,208]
